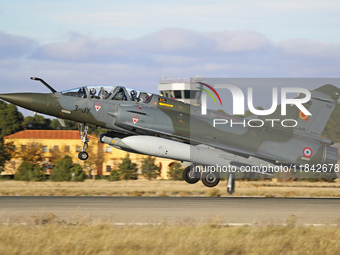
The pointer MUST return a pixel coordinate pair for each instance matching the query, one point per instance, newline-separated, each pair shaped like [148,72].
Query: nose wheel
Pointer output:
[83,155]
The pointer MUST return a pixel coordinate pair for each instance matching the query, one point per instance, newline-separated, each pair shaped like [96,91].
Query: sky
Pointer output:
[134,43]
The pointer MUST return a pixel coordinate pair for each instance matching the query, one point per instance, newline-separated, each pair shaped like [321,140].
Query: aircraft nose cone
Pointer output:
[20,99]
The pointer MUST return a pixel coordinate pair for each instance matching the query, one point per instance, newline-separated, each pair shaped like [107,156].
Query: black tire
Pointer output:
[210,179]
[190,175]
[83,155]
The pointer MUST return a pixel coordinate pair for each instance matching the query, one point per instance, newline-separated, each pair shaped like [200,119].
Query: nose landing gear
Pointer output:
[83,155]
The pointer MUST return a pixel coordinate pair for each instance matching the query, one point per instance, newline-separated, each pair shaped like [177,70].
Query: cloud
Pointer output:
[82,59]
[81,48]
[174,41]
[181,43]
[238,41]
[163,47]
[12,46]
[309,48]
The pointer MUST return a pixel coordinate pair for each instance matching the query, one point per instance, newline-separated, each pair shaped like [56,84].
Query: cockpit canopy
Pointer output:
[109,93]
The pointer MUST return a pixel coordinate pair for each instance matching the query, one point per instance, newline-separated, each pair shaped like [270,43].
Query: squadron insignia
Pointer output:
[135,119]
[97,106]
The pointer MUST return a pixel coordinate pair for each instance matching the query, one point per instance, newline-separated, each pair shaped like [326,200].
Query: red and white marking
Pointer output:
[307,152]
[98,106]
[135,119]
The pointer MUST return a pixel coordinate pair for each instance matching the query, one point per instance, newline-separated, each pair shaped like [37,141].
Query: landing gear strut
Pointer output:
[231,183]
[83,155]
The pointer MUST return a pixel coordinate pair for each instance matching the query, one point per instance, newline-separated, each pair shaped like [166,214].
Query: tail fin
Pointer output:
[321,106]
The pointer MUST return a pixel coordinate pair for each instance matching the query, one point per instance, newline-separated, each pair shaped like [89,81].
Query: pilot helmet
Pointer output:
[93,91]
[133,93]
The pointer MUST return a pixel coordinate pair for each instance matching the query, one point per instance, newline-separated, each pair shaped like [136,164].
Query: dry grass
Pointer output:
[167,188]
[46,234]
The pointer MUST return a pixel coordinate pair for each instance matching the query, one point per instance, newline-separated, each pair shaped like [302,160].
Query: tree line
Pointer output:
[127,170]
[64,169]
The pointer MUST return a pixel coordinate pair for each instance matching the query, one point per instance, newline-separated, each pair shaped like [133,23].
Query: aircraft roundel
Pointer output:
[307,152]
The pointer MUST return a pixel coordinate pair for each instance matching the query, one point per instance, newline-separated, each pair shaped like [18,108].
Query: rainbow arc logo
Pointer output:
[209,93]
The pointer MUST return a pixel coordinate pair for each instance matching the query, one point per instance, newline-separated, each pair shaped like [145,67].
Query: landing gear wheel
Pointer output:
[231,183]
[210,179]
[83,155]
[190,175]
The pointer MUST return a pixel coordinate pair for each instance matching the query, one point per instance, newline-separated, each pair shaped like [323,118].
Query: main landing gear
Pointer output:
[210,179]
[190,175]
[83,155]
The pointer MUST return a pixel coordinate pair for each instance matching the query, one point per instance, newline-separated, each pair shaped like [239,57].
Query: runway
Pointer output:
[195,210]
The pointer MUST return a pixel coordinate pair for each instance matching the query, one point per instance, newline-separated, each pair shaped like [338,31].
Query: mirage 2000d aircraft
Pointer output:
[151,124]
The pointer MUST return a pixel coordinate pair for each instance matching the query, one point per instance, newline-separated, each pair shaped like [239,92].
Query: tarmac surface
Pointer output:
[171,210]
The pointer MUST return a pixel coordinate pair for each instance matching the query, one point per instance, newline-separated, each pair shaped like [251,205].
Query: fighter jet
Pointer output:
[151,124]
